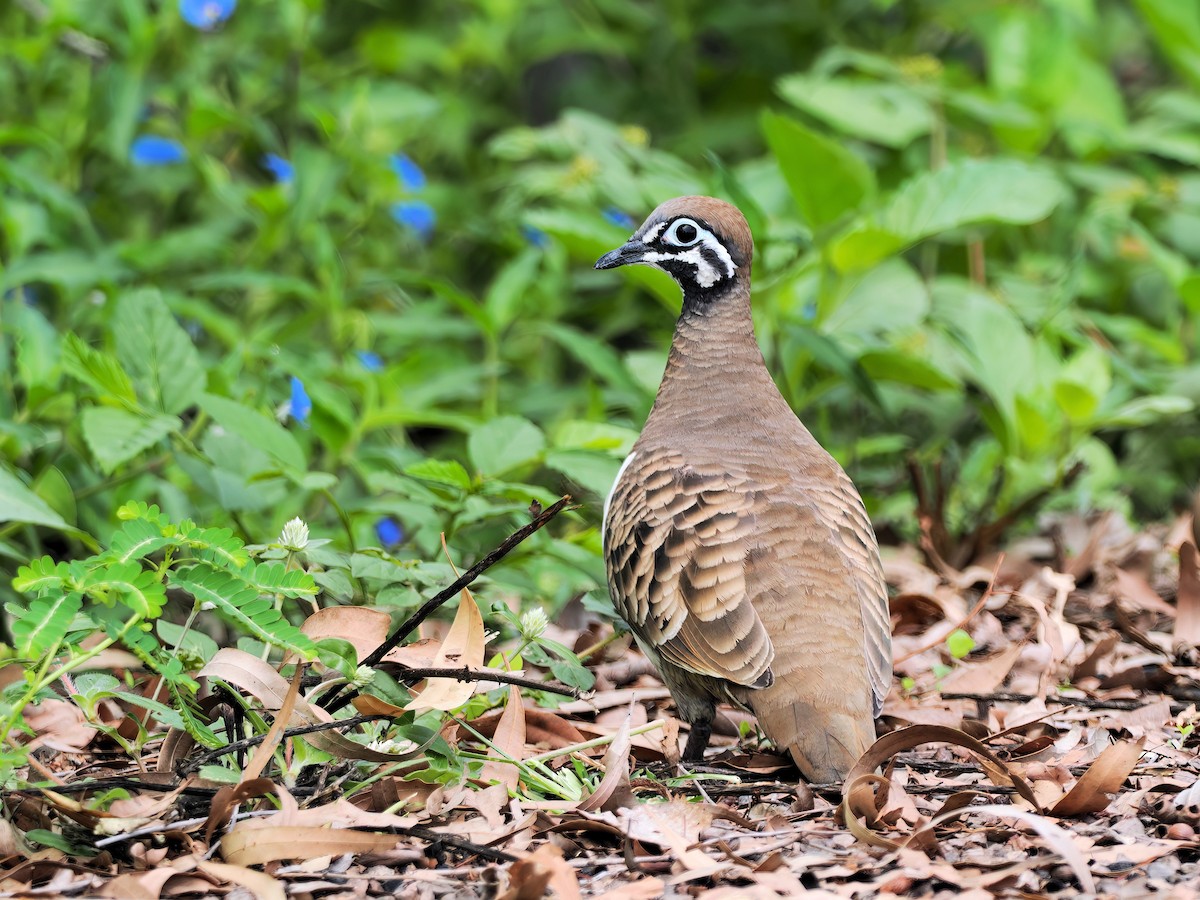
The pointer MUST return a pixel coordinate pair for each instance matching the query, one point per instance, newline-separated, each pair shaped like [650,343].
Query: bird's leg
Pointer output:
[697,741]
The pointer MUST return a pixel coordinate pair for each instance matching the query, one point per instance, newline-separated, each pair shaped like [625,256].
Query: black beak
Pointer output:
[625,255]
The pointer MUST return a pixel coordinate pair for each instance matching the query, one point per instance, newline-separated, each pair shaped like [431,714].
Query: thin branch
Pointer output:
[498,675]
[333,702]
[193,765]
[975,610]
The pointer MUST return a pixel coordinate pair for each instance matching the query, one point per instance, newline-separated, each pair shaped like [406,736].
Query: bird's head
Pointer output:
[701,242]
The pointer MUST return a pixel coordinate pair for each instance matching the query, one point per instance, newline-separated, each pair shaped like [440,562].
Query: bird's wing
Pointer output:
[867,581]
[677,543]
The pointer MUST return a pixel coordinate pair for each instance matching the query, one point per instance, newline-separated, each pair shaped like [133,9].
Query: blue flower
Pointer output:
[417,215]
[370,361]
[152,150]
[411,177]
[389,531]
[300,405]
[283,170]
[619,218]
[535,236]
[206,14]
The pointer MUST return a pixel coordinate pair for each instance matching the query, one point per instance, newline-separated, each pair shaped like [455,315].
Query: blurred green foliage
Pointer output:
[978,231]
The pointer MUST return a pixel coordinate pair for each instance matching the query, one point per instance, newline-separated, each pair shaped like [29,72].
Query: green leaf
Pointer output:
[138,538]
[504,444]
[1145,411]
[888,114]
[890,297]
[826,179]
[239,602]
[98,369]
[20,504]
[963,193]
[43,622]
[115,436]
[959,643]
[138,589]
[441,471]
[906,368]
[156,349]
[256,429]
[1176,26]
[509,291]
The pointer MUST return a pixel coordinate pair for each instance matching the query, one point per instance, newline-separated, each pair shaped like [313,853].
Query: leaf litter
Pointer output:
[1040,740]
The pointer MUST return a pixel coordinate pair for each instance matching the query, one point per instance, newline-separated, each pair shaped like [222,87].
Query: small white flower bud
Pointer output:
[294,536]
[533,623]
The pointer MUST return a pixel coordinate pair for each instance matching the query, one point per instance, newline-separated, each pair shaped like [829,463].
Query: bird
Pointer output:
[736,548]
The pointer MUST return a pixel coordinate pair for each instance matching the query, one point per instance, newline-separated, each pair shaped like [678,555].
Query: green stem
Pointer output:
[43,680]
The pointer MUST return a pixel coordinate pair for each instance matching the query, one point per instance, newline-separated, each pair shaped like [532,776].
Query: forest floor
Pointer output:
[1040,741]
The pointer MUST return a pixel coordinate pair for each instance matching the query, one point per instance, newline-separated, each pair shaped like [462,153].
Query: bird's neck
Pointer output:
[716,381]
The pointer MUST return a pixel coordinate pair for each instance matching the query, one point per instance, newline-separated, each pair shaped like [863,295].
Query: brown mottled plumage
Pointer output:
[737,549]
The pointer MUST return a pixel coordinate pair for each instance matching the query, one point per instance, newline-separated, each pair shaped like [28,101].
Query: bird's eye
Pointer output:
[683,233]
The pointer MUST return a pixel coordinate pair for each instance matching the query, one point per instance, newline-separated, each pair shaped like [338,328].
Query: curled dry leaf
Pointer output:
[509,741]
[613,791]
[545,868]
[859,800]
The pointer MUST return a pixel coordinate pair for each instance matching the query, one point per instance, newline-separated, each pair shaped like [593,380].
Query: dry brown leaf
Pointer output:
[1133,588]
[463,646]
[1106,774]
[260,884]
[363,626]
[613,791]
[530,876]
[244,846]
[509,741]
[984,676]
[258,679]
[1187,600]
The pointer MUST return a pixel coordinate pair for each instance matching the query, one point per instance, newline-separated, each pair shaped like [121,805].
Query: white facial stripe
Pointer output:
[706,274]
[653,233]
[722,254]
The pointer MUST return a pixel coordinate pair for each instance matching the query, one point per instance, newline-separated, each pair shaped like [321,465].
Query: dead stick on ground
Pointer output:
[334,702]
[411,675]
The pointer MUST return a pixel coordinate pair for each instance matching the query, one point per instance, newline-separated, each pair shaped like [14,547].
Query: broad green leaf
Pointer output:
[963,193]
[1176,26]
[157,351]
[98,369]
[38,347]
[115,436]
[906,368]
[504,444]
[890,297]
[441,471]
[509,291]
[826,179]
[20,504]
[255,429]
[888,114]
[1146,411]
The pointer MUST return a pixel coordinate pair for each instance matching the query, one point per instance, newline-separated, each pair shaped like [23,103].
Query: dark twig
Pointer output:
[434,838]
[1007,697]
[333,702]
[467,674]
[193,765]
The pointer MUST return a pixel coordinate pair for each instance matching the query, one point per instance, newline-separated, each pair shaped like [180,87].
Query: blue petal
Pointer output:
[535,236]
[283,170]
[370,361]
[152,150]
[618,217]
[300,405]
[206,14]
[410,174]
[389,532]
[417,215]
